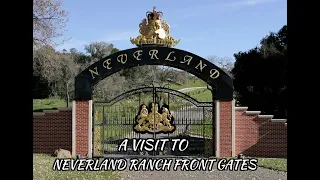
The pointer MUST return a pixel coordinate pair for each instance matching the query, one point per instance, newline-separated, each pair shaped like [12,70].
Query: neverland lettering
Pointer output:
[153,54]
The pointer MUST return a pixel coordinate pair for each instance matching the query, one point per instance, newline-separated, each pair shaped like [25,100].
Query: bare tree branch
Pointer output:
[49,20]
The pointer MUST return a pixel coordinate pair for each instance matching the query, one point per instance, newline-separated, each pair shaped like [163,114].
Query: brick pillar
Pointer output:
[81,126]
[225,129]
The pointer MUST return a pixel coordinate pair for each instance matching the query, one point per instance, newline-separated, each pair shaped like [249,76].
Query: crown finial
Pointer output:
[154,31]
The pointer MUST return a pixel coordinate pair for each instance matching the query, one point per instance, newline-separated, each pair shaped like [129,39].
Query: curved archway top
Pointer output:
[165,56]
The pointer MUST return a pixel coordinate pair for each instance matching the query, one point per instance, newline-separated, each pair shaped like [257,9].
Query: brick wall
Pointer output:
[225,129]
[82,119]
[255,136]
[52,130]
[260,136]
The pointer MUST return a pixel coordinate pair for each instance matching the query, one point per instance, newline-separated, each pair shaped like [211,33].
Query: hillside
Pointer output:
[200,94]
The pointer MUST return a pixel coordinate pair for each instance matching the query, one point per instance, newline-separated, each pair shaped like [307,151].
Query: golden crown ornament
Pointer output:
[154,31]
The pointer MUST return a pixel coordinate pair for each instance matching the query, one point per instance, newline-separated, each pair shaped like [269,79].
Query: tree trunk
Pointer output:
[67,93]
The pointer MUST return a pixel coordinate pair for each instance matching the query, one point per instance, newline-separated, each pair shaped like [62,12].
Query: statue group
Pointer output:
[154,121]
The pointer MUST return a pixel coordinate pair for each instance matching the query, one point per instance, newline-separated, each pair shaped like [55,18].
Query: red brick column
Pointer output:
[81,127]
[225,128]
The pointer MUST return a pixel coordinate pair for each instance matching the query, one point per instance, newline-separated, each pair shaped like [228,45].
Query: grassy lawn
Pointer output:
[201,95]
[198,129]
[273,163]
[190,83]
[115,132]
[132,105]
[42,169]
[49,103]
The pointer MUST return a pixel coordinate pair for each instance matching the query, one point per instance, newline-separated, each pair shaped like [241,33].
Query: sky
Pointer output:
[206,27]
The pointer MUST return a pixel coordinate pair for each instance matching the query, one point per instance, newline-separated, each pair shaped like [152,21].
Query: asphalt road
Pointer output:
[184,90]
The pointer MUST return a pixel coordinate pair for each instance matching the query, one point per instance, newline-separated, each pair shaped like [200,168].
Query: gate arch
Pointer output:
[220,81]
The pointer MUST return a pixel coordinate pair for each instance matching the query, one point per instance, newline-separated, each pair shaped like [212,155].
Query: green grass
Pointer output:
[115,117]
[206,128]
[190,83]
[110,146]
[42,169]
[118,113]
[49,103]
[193,82]
[201,95]
[115,132]
[273,163]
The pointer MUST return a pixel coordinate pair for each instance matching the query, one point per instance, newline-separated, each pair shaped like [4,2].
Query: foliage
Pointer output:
[46,63]
[56,69]
[110,87]
[69,70]
[40,89]
[226,64]
[94,52]
[49,19]
[160,76]
[260,75]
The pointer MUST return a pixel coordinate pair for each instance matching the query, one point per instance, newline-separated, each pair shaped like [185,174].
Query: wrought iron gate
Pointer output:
[116,119]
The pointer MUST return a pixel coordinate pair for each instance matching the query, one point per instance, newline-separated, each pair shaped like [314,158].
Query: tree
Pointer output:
[114,50]
[110,87]
[98,50]
[226,64]
[49,20]
[150,75]
[40,89]
[69,70]
[260,75]
[56,69]
[275,43]
[46,63]
[94,52]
